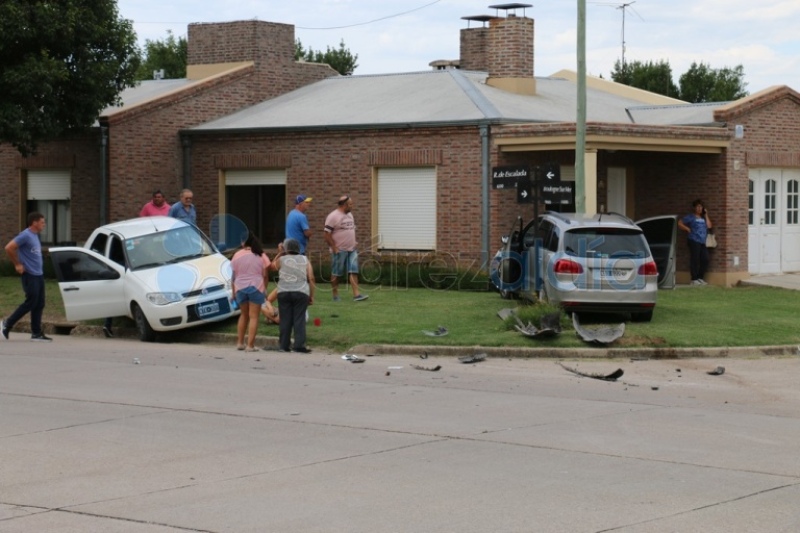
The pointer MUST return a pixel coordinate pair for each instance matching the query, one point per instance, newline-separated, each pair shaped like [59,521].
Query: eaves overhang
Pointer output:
[197,132]
[711,140]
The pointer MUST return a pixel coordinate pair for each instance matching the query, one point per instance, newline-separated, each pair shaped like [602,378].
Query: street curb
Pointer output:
[191,336]
[580,353]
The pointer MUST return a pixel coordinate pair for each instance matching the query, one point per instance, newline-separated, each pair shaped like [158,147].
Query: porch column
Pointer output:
[590,182]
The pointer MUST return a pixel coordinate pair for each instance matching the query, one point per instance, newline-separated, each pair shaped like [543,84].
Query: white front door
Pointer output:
[616,192]
[774,221]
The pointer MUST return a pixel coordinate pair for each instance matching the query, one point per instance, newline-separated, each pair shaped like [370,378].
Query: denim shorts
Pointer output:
[250,295]
[343,261]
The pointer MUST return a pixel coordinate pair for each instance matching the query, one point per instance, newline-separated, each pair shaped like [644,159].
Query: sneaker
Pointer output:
[3,330]
[337,299]
[302,350]
[696,282]
[41,337]
[702,282]
[360,298]
[108,333]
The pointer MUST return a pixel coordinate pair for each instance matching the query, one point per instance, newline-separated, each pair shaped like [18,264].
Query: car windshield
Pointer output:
[605,242]
[173,246]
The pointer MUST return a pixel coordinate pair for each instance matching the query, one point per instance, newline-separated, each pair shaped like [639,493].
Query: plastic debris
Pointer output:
[717,371]
[614,376]
[352,358]
[476,358]
[603,334]
[441,331]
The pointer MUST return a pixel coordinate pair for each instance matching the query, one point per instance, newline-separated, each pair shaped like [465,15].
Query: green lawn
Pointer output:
[687,316]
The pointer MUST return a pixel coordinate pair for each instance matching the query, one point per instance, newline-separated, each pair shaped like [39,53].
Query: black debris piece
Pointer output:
[476,358]
[428,368]
[614,376]
[717,371]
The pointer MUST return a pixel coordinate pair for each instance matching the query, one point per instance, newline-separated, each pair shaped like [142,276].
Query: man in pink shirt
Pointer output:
[340,234]
[158,206]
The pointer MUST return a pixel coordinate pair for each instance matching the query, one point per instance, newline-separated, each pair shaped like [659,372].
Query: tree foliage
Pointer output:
[169,55]
[649,76]
[700,83]
[340,59]
[61,64]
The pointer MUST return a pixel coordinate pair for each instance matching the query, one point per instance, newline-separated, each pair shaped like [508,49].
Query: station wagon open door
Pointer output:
[661,234]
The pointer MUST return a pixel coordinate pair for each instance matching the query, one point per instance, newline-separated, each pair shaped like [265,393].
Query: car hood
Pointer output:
[189,278]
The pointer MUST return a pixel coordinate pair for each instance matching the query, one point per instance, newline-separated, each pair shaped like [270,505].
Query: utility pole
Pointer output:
[580,125]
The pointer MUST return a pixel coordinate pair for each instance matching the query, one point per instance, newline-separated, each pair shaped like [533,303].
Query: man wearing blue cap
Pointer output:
[297,227]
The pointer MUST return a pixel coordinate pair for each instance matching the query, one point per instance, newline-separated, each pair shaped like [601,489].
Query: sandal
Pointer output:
[240,347]
[253,349]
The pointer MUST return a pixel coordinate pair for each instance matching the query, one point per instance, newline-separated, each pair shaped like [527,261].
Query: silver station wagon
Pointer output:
[602,263]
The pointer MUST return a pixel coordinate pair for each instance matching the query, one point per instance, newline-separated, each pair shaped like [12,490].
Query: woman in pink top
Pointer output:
[249,271]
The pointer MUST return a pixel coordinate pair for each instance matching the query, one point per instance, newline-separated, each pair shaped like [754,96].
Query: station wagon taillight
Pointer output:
[567,266]
[648,269]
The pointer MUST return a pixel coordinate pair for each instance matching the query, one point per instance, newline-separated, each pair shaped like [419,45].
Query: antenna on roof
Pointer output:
[623,7]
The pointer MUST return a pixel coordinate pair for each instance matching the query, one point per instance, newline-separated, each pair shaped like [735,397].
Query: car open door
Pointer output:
[91,286]
[661,234]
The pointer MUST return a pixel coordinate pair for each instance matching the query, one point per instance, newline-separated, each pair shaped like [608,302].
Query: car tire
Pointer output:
[146,333]
[647,316]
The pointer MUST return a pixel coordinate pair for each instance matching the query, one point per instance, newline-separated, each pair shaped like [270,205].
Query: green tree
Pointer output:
[701,83]
[649,76]
[340,59]
[61,64]
[168,55]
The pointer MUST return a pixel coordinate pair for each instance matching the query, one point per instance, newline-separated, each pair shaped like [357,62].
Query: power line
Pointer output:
[370,21]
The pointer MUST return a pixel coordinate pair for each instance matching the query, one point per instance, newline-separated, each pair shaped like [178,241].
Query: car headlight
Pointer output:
[163,298]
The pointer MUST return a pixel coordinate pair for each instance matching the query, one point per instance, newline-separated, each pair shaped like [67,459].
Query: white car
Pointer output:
[162,272]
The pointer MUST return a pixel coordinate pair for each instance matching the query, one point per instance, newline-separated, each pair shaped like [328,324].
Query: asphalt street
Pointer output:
[114,435]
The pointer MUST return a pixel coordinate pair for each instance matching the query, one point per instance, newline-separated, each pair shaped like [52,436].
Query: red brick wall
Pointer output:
[327,165]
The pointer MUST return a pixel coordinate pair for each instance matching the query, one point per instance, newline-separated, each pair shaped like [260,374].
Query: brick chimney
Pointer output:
[504,50]
[220,45]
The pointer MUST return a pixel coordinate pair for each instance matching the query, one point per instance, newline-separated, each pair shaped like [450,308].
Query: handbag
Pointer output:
[711,240]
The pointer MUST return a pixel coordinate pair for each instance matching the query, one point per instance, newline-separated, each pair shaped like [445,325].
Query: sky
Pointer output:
[390,36]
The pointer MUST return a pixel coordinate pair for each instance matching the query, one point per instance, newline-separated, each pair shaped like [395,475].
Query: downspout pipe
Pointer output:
[485,179]
[186,144]
[104,173]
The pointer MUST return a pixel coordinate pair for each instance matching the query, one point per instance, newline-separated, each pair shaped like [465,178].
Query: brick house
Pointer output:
[416,150]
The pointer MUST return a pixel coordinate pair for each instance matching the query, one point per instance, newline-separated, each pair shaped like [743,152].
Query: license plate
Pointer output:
[207,309]
[614,273]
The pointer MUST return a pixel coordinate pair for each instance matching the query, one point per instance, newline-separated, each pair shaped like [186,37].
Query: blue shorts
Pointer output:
[250,295]
[344,262]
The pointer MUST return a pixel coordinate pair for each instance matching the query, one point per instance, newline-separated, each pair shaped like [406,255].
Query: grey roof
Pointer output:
[443,97]
[146,91]
[677,115]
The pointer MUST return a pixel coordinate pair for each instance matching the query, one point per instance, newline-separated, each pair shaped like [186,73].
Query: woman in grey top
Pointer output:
[295,293]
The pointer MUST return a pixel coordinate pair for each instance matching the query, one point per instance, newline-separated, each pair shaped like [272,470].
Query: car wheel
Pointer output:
[647,316]
[146,333]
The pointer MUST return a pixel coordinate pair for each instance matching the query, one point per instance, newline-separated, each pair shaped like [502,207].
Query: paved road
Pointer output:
[204,438]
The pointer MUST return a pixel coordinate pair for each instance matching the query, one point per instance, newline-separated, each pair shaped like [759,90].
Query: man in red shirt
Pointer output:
[155,207]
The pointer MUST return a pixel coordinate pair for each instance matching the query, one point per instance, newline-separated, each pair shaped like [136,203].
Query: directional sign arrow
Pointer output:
[524,194]
[550,175]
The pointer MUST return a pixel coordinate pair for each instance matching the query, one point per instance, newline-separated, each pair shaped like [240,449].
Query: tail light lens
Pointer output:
[566,266]
[648,269]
